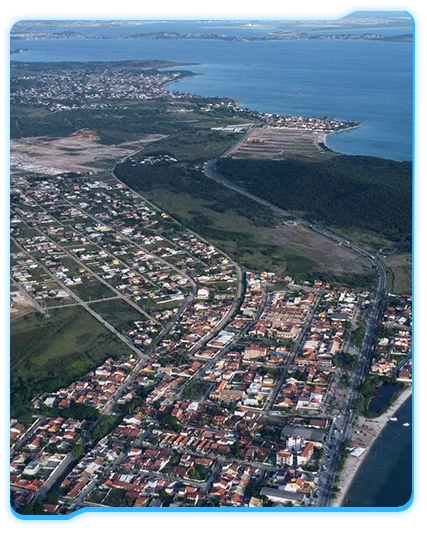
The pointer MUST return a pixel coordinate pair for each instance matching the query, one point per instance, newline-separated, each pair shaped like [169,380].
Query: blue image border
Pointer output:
[408,516]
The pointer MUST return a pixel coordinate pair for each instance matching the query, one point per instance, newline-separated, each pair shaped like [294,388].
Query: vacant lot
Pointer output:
[50,352]
[20,304]
[91,289]
[273,143]
[235,234]
[329,255]
[401,267]
[117,312]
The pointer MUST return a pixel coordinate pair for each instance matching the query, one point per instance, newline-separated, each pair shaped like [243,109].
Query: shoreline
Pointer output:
[372,428]
[322,137]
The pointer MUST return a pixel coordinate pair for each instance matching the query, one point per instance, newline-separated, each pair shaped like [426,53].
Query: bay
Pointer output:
[366,81]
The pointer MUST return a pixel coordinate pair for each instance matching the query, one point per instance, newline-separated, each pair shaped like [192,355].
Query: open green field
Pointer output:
[401,268]
[196,390]
[367,239]
[91,289]
[117,312]
[193,146]
[233,233]
[14,247]
[50,352]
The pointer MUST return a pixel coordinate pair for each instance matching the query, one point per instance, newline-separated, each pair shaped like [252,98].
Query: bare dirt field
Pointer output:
[19,305]
[401,266]
[326,253]
[273,143]
[76,153]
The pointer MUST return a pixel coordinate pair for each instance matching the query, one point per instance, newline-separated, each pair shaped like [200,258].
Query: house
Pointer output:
[252,352]
[203,293]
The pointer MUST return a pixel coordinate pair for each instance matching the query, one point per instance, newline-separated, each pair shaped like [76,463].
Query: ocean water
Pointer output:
[364,81]
[385,477]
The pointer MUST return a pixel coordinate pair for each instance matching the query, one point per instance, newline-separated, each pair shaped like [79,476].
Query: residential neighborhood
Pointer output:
[224,395]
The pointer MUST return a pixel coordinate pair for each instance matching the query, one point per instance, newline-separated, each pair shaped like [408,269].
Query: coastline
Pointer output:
[322,137]
[372,428]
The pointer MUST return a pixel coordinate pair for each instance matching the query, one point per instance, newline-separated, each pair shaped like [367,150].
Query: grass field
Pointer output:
[117,312]
[235,234]
[191,146]
[91,289]
[196,390]
[51,352]
[369,240]
[401,268]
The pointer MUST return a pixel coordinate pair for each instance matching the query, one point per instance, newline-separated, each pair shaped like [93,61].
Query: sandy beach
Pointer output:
[365,432]
[322,136]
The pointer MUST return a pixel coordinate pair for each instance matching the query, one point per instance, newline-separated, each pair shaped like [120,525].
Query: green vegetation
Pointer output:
[195,390]
[199,472]
[35,507]
[335,491]
[346,191]
[117,497]
[369,389]
[92,289]
[343,458]
[51,352]
[348,362]
[138,400]
[400,266]
[75,411]
[194,146]
[117,312]
[78,450]
[96,496]
[105,425]
[232,222]
[129,65]
[112,125]
[170,422]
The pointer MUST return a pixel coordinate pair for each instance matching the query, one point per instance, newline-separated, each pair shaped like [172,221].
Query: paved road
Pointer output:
[133,374]
[92,312]
[210,172]
[342,426]
[240,141]
[291,358]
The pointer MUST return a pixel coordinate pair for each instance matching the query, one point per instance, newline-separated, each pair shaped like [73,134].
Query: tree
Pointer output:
[78,449]
[52,497]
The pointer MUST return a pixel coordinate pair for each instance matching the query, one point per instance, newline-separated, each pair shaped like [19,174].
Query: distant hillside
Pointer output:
[346,191]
